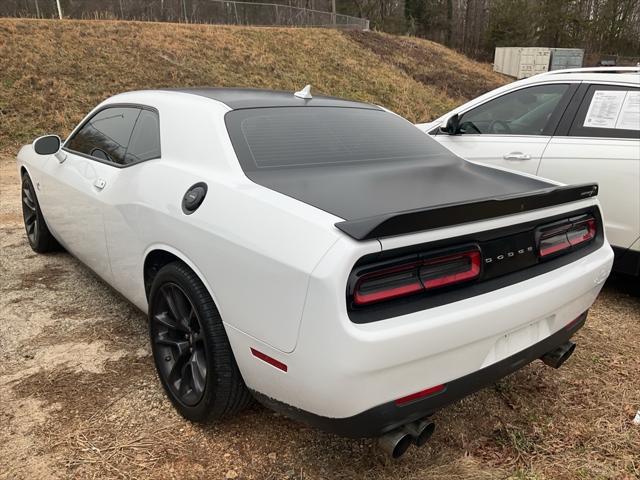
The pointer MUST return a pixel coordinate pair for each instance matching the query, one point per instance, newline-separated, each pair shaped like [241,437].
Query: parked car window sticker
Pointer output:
[523,112]
[617,109]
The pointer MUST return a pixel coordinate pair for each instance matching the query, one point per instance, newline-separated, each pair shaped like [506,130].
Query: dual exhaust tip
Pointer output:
[396,442]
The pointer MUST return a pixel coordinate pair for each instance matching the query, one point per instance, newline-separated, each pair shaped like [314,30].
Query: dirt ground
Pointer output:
[79,397]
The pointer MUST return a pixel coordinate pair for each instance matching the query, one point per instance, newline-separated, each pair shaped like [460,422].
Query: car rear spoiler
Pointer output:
[410,221]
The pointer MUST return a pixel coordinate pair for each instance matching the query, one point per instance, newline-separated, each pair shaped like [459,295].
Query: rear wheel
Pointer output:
[191,349]
[40,238]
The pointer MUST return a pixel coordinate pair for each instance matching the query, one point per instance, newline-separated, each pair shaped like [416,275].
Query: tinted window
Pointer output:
[307,136]
[106,135]
[524,112]
[608,111]
[145,139]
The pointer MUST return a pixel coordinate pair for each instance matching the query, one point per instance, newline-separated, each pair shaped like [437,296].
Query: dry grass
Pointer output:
[78,395]
[53,72]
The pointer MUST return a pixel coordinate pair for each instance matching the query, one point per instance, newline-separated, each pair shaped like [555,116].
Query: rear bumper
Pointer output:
[345,377]
[383,418]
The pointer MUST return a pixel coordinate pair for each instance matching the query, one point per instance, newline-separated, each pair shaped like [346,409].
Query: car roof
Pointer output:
[591,74]
[242,98]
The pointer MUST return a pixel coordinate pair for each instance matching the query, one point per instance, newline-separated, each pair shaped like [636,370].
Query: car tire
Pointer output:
[40,238]
[191,349]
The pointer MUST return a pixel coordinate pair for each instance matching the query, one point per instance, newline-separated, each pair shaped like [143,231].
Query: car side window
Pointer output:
[528,111]
[145,139]
[106,135]
[608,111]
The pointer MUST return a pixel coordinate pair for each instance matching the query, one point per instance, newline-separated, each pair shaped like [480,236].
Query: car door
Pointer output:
[599,141]
[92,157]
[513,129]
[125,215]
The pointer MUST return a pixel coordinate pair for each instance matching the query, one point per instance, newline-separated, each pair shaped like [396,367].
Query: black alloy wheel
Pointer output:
[29,211]
[181,353]
[191,350]
[40,238]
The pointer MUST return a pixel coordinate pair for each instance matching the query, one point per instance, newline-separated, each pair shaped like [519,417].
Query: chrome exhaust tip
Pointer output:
[395,443]
[420,431]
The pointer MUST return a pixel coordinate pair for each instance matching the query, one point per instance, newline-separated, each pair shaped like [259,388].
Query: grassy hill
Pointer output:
[54,71]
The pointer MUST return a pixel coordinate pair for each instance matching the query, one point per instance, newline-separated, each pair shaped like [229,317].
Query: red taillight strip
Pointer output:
[419,284]
[271,361]
[421,394]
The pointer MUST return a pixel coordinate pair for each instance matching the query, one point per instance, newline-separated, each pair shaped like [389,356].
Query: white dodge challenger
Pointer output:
[321,255]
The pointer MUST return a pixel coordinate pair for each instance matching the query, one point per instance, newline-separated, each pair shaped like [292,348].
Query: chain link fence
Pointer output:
[293,13]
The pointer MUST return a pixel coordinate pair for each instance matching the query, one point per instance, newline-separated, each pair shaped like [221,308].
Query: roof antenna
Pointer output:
[304,93]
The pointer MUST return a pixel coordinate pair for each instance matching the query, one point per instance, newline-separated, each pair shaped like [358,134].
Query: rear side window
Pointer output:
[145,139]
[106,135]
[528,111]
[267,138]
[608,111]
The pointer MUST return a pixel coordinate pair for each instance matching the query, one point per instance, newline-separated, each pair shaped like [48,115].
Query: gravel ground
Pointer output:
[79,396]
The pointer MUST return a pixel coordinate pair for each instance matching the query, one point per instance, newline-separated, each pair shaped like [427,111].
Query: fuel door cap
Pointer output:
[193,198]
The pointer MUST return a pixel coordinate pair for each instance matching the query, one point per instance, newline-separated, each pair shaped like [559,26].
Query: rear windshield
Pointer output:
[283,137]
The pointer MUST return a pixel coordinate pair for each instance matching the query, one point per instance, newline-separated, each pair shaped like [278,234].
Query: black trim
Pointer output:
[626,261]
[570,113]
[383,418]
[488,281]
[105,107]
[402,223]
[558,112]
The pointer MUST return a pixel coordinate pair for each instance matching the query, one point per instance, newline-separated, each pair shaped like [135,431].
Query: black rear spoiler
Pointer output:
[401,223]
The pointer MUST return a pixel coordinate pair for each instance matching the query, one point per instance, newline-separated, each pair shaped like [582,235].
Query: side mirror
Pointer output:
[453,125]
[47,145]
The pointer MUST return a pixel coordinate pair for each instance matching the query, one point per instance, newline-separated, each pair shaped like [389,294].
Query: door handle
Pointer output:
[517,156]
[100,183]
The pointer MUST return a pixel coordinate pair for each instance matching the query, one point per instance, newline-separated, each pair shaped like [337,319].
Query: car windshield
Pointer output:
[285,137]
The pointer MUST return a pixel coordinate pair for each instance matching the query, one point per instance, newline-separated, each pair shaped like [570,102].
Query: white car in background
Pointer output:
[572,126]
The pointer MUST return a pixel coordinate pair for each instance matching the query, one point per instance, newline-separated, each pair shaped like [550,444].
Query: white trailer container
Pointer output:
[562,58]
[521,62]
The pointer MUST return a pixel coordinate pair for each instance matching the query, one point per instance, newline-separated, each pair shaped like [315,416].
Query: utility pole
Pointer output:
[59,9]
[333,12]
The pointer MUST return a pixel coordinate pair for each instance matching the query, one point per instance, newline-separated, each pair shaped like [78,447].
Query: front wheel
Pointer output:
[40,238]
[190,348]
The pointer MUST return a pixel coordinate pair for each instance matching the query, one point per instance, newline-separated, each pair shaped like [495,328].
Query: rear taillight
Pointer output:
[416,276]
[563,235]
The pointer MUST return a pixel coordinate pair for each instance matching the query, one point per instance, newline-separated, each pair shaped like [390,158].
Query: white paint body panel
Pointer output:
[277,269]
